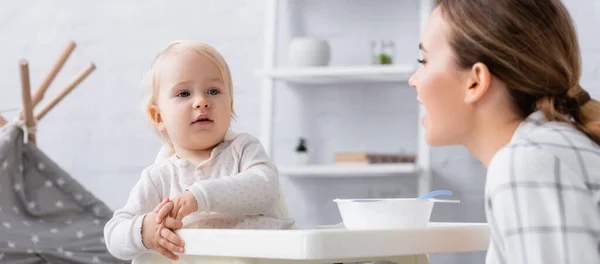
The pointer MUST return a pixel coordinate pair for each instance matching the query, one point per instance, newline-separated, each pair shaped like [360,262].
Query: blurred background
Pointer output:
[99,135]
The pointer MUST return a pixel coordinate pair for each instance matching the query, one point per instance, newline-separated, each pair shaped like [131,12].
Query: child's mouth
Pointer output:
[203,121]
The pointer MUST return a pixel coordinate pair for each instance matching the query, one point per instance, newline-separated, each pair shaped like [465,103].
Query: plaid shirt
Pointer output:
[543,196]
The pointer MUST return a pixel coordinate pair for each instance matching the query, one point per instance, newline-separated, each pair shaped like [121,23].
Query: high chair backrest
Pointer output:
[166,152]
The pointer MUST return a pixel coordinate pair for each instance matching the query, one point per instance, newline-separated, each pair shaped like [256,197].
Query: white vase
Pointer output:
[301,158]
[309,52]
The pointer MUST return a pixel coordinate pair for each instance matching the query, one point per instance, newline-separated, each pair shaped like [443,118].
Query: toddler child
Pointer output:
[208,176]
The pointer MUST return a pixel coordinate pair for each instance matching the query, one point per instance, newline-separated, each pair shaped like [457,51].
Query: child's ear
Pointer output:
[157,118]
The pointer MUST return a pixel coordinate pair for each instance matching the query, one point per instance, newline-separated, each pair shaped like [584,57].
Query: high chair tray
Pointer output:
[336,243]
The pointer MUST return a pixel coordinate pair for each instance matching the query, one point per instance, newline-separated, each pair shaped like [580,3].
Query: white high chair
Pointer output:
[335,245]
[327,245]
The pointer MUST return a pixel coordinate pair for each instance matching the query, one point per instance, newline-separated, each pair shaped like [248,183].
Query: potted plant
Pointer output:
[301,152]
[383,53]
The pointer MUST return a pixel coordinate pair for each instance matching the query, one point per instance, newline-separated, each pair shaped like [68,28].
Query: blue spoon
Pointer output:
[435,194]
[423,197]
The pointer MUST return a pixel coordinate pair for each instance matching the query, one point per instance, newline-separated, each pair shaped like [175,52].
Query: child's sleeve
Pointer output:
[253,191]
[123,232]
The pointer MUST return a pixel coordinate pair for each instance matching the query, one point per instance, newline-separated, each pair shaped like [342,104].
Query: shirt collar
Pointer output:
[230,135]
[533,121]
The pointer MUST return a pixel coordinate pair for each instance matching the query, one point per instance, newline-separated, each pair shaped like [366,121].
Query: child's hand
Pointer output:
[157,236]
[162,213]
[184,205]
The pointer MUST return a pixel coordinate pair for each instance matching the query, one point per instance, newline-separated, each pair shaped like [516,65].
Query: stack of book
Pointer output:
[373,158]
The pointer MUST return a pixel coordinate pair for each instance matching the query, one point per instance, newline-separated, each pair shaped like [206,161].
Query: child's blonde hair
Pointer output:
[151,85]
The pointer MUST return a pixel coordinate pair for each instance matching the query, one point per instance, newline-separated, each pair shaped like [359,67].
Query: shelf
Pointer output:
[349,170]
[346,74]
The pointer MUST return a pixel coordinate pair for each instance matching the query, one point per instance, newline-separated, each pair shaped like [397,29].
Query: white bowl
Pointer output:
[361,214]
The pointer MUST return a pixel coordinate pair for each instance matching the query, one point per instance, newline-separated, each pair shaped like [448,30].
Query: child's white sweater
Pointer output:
[237,187]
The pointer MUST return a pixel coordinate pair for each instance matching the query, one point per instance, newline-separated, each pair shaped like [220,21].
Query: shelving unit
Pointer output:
[330,75]
[350,170]
[271,74]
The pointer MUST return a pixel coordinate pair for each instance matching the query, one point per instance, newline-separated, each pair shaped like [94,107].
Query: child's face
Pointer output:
[194,105]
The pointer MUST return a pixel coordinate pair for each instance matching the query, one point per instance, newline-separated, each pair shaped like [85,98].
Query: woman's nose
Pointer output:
[412,81]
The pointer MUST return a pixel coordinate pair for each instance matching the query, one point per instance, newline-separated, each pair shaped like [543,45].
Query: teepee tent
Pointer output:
[45,215]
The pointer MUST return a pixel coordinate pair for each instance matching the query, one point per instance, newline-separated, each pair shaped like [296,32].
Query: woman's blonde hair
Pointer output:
[151,84]
[531,46]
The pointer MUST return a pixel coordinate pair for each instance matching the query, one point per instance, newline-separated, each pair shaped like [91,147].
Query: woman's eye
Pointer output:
[422,61]
[184,94]
[213,91]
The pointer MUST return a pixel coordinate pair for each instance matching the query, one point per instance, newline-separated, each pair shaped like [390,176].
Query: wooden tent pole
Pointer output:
[26,97]
[65,90]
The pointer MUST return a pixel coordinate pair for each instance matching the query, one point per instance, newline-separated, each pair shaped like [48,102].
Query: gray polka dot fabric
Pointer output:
[45,215]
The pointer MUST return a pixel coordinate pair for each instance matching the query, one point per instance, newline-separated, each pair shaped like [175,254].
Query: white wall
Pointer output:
[98,133]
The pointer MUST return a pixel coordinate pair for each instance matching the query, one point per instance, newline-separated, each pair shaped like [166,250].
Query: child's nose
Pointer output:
[201,103]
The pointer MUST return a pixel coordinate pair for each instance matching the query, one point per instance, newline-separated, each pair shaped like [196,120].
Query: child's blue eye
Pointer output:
[213,91]
[184,94]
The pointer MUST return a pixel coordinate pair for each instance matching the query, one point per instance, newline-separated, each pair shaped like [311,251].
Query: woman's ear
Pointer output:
[157,118]
[478,83]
